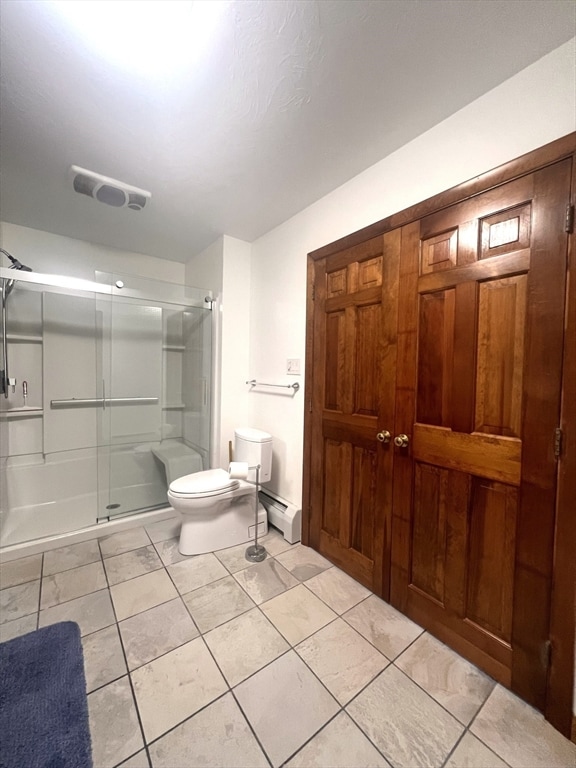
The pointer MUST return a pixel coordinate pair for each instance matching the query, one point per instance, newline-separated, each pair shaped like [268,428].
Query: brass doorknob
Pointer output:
[384,436]
[401,441]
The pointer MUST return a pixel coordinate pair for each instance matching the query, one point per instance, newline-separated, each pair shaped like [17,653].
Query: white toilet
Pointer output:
[217,511]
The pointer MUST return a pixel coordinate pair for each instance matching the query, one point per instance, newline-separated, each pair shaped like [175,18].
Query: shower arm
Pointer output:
[4,371]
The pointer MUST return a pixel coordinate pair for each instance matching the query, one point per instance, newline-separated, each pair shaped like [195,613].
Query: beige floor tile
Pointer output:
[18,627]
[337,589]
[139,760]
[164,529]
[383,626]
[520,735]
[343,660]
[274,542]
[265,580]
[140,594]
[407,726]
[217,737]
[114,724]
[303,562]
[297,613]
[234,558]
[340,744]
[196,572]
[285,704]
[244,645]
[20,571]
[471,753]
[124,541]
[71,556]
[455,683]
[131,564]
[170,689]
[19,601]
[156,631]
[103,657]
[216,603]
[91,612]
[71,584]
[169,552]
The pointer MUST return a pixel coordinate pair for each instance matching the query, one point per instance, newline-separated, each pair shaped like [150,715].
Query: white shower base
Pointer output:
[46,496]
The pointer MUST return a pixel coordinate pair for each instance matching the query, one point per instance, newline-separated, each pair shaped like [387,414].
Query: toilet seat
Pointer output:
[210,482]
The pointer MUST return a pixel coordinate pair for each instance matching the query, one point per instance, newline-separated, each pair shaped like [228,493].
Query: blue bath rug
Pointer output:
[43,705]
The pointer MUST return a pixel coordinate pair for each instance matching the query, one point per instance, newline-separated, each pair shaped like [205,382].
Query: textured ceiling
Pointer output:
[290,99]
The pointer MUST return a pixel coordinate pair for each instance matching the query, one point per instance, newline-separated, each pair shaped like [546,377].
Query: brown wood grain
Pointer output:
[490,456]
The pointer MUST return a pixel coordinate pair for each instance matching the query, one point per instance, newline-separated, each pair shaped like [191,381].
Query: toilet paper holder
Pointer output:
[255,553]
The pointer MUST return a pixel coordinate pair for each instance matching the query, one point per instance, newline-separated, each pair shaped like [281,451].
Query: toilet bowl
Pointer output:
[218,511]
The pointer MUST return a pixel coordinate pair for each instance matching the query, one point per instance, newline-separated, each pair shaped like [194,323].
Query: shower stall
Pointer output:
[104,379]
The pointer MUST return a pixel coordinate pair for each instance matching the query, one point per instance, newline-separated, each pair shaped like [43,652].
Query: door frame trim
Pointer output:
[559,703]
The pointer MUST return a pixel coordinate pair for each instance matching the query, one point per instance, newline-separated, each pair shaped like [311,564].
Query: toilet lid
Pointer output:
[207,482]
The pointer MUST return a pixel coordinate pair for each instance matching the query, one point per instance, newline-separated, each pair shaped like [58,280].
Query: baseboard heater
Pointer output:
[283,515]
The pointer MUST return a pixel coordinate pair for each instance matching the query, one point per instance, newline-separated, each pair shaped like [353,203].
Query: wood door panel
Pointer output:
[493,512]
[435,358]
[489,456]
[501,320]
[367,327]
[497,266]
[335,361]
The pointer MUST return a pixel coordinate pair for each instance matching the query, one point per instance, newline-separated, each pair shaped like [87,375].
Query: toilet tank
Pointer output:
[254,447]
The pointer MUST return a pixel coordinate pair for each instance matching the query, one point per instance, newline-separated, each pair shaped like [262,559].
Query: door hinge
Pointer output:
[557,442]
[569,226]
[546,654]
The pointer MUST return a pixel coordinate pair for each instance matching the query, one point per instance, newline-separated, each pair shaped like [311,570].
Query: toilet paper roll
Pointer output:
[238,470]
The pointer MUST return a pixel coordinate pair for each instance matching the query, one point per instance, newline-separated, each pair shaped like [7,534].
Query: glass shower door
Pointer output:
[155,377]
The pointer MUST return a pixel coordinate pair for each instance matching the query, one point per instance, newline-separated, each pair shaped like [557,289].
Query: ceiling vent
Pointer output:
[107,190]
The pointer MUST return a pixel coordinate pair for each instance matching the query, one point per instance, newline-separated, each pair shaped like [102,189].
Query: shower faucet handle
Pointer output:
[12,383]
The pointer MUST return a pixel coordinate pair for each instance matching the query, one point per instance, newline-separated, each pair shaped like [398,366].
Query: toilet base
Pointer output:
[227,528]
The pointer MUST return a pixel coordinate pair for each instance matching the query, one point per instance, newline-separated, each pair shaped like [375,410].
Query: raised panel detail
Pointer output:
[364,501]
[491,556]
[338,456]
[435,358]
[439,252]
[500,359]
[429,530]
[334,372]
[367,346]
[370,273]
[336,284]
[505,231]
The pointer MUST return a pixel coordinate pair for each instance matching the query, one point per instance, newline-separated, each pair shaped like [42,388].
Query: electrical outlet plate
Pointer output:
[293,366]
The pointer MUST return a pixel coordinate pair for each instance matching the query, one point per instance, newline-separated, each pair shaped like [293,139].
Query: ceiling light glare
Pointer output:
[153,38]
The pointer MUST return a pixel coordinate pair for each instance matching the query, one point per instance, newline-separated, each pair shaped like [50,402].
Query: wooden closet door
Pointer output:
[354,371]
[480,337]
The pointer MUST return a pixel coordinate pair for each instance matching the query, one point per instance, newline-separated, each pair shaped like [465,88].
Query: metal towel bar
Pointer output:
[100,402]
[254,383]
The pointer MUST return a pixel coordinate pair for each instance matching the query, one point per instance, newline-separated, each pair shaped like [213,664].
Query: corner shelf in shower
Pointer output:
[23,338]
[174,348]
[21,413]
[173,407]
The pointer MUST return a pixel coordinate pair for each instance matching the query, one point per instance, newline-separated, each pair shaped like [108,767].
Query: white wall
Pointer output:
[529,110]
[45,252]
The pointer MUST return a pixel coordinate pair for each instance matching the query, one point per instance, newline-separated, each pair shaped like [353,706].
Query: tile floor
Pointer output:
[213,661]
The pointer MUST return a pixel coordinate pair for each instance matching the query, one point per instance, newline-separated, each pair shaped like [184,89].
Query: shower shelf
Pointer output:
[24,339]
[173,407]
[20,413]
[174,348]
